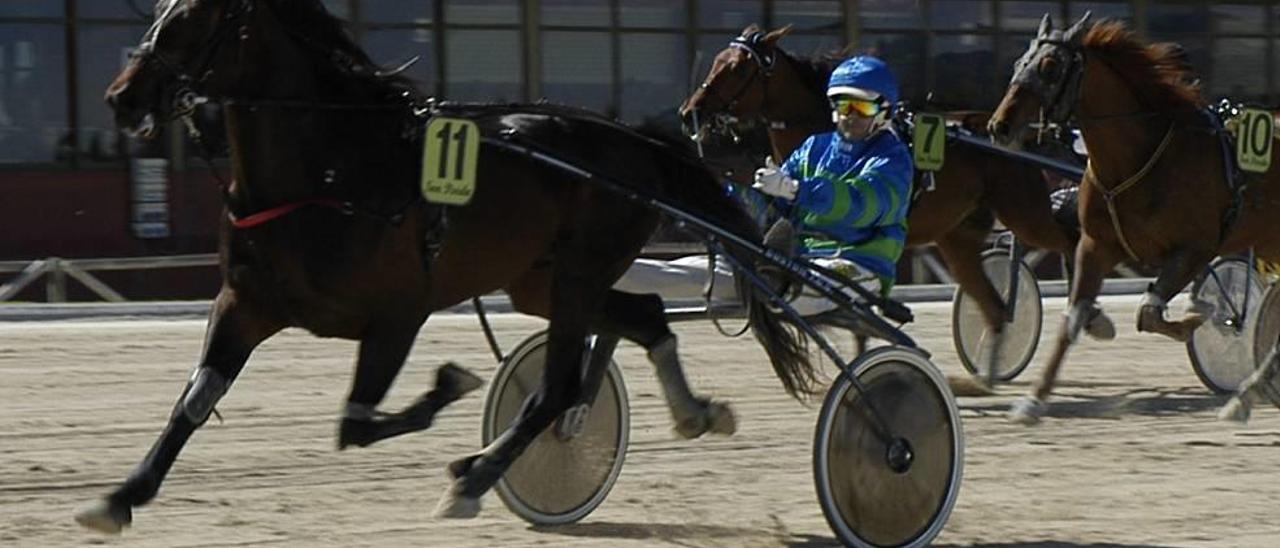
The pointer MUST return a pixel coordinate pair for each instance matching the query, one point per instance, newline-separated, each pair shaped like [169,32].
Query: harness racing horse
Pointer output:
[1156,190]
[755,78]
[326,229]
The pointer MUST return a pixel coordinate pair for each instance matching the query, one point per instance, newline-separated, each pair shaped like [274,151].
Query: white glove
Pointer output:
[772,181]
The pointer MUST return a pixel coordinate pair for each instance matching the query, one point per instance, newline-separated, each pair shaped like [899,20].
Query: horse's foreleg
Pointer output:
[1092,264]
[562,376]
[234,331]
[962,249]
[642,320]
[1179,270]
[382,354]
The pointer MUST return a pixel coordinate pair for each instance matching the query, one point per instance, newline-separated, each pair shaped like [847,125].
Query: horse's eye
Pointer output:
[1050,69]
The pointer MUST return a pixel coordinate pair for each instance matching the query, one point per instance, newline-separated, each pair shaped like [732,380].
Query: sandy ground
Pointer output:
[1130,456]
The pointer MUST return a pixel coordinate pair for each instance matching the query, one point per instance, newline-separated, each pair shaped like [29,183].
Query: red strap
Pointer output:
[274,213]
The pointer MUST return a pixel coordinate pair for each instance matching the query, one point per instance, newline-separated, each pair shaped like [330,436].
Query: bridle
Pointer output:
[192,76]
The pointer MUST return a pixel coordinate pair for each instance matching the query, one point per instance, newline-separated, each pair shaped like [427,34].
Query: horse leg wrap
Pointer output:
[1151,311]
[674,384]
[1077,316]
[206,388]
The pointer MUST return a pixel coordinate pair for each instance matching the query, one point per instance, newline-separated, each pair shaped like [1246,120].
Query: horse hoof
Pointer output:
[1236,410]
[453,505]
[105,517]
[1100,327]
[720,419]
[1027,411]
[456,380]
[714,417]
[969,386]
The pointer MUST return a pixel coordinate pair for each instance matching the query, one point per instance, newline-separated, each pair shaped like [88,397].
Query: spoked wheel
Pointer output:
[569,469]
[1021,335]
[1222,349]
[1266,331]
[895,493]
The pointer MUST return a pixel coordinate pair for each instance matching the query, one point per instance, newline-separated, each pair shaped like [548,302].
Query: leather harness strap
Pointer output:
[1110,194]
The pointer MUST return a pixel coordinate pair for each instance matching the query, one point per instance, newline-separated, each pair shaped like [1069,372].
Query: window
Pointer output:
[891,14]
[33,94]
[960,14]
[396,11]
[391,48]
[1026,16]
[480,12]
[1237,18]
[30,8]
[652,13]
[1239,69]
[655,75]
[577,69]
[730,14]
[808,15]
[483,65]
[963,71]
[905,55]
[575,13]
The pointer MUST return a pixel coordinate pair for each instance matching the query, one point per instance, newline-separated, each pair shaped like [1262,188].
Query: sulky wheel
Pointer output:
[1022,331]
[569,469]
[1222,349]
[1266,331]
[896,489]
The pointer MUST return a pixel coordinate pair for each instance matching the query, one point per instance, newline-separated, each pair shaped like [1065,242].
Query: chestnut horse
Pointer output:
[1155,191]
[755,78]
[325,227]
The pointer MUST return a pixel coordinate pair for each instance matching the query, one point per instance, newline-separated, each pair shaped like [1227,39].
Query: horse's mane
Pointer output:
[331,32]
[1158,72]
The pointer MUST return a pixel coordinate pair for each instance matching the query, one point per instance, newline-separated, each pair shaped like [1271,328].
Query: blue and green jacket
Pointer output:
[853,198]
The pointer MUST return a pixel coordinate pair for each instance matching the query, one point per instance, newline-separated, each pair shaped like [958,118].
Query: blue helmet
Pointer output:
[864,76]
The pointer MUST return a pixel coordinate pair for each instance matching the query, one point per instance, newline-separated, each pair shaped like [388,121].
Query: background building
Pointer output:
[67,187]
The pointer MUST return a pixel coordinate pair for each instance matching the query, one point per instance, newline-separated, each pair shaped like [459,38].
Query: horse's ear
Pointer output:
[772,38]
[1046,25]
[750,29]
[1076,32]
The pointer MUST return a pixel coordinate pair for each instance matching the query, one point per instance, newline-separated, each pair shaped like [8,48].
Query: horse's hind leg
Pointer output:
[1179,270]
[1092,264]
[382,354]
[235,329]
[642,320]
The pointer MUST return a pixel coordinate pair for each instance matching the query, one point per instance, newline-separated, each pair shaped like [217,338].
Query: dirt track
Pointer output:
[1131,454]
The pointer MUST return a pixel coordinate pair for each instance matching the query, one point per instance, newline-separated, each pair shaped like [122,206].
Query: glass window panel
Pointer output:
[483,65]
[32,8]
[482,12]
[652,13]
[891,14]
[119,9]
[103,52]
[655,75]
[397,11]
[730,14]
[1027,15]
[1166,18]
[1239,18]
[808,14]
[905,55]
[807,46]
[1239,69]
[960,14]
[708,46]
[963,69]
[577,69]
[391,48]
[33,94]
[576,13]
[1100,10]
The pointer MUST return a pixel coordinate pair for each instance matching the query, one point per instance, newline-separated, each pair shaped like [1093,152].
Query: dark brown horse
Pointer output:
[326,229]
[1155,189]
[759,79]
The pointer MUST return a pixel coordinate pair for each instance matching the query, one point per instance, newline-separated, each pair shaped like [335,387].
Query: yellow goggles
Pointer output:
[846,106]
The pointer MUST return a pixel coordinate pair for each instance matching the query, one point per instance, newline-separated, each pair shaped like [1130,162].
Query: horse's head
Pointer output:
[735,86]
[175,60]
[1045,84]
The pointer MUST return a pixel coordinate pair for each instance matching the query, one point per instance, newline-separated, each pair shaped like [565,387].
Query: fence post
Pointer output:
[55,282]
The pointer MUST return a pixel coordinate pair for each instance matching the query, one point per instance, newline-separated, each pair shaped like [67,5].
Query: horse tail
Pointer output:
[785,343]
